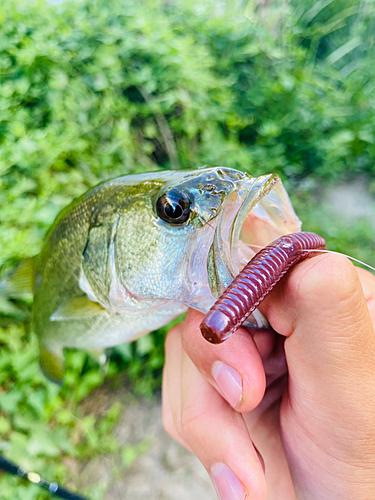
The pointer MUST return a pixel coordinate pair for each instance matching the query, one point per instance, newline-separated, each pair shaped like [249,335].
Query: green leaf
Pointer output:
[144,345]
[41,443]
[10,400]
[4,425]
[345,49]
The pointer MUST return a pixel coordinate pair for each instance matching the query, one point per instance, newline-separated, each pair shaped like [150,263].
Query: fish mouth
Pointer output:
[256,213]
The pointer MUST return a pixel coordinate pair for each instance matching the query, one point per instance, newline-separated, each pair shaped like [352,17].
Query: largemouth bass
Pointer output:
[135,252]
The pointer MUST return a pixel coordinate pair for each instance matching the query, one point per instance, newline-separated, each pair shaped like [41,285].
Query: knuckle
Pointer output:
[327,273]
[259,489]
[172,339]
[258,486]
[168,422]
[192,421]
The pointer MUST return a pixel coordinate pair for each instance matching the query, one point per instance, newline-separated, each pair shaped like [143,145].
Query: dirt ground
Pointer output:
[163,470]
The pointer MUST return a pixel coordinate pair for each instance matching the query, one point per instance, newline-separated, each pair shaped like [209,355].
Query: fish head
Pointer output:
[184,236]
[234,215]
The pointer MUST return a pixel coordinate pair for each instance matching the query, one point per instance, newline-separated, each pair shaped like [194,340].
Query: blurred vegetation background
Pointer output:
[93,89]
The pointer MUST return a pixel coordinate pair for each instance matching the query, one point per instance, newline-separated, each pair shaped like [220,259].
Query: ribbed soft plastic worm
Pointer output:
[255,281]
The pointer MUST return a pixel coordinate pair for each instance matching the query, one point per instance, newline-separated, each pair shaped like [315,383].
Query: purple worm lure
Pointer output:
[255,281]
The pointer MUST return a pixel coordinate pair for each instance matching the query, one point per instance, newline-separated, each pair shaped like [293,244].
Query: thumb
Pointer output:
[321,309]
[330,347]
[328,410]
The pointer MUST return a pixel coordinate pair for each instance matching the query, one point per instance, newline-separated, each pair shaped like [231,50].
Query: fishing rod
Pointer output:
[54,488]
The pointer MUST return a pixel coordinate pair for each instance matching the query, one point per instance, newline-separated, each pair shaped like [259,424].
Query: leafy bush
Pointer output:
[94,89]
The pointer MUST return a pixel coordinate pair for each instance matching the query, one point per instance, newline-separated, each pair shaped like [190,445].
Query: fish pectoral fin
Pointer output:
[52,364]
[19,282]
[76,308]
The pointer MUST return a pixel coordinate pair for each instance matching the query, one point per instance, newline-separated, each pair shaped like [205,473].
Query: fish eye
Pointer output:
[173,207]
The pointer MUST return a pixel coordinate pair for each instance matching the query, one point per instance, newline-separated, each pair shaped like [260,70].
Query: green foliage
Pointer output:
[93,89]
[130,453]
[353,238]
[41,423]
[89,91]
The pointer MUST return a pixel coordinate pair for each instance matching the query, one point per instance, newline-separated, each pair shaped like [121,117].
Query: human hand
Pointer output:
[305,397]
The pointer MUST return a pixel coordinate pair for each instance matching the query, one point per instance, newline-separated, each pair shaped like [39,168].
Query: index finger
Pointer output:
[234,368]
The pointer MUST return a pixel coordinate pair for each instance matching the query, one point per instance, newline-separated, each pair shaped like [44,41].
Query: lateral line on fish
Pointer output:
[329,251]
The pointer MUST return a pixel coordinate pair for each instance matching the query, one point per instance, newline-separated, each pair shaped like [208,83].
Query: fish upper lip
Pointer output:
[230,252]
[254,195]
[235,210]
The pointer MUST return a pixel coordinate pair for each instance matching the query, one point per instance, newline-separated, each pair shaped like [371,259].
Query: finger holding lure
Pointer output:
[255,281]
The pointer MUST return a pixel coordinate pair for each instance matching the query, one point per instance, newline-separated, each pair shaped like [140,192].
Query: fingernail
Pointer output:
[229,382]
[227,484]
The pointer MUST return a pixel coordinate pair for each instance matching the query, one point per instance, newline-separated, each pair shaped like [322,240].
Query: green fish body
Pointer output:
[135,252]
